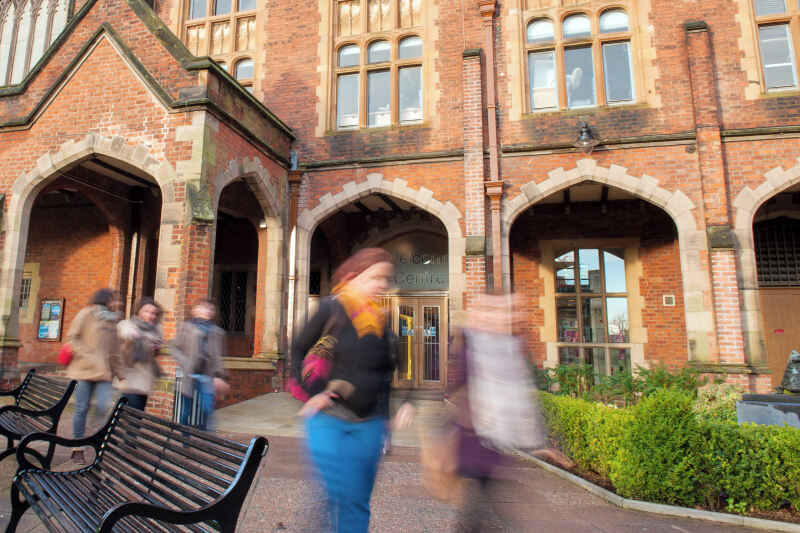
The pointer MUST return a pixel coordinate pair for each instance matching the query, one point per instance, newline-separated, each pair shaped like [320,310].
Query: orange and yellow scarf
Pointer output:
[366,315]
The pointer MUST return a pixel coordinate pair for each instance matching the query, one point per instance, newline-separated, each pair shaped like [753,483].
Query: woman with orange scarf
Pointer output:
[346,414]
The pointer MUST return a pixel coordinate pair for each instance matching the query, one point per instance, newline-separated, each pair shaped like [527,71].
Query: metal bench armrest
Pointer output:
[92,440]
[162,514]
[27,412]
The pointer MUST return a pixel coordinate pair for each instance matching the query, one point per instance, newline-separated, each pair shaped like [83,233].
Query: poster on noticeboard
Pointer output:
[51,318]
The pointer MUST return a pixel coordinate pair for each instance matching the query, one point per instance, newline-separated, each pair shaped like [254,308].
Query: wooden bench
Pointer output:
[38,404]
[149,475]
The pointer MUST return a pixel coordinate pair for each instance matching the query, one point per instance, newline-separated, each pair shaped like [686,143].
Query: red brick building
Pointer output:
[629,167]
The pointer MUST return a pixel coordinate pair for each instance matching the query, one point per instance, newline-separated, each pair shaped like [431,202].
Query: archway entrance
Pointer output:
[776,236]
[237,284]
[417,304]
[599,271]
[95,224]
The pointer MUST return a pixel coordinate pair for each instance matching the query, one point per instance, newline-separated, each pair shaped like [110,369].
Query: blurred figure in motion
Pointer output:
[140,341]
[341,362]
[93,338]
[495,411]
[198,349]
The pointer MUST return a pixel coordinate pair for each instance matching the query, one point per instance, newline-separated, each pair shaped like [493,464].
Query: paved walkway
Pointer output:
[285,498]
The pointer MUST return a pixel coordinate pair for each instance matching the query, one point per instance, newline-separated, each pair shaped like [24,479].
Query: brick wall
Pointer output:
[74,261]
[658,254]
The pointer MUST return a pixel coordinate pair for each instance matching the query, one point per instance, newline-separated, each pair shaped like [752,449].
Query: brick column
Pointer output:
[727,346]
[474,195]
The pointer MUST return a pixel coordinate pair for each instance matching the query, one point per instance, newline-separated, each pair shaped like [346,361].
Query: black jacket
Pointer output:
[366,363]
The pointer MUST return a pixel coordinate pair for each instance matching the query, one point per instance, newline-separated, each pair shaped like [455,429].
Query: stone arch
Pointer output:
[271,200]
[376,235]
[423,198]
[692,242]
[745,206]
[27,186]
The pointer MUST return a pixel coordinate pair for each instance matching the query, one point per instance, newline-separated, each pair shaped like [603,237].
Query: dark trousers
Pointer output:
[137,401]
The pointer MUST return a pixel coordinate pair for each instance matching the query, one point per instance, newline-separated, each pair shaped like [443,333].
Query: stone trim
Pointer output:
[692,242]
[423,198]
[274,202]
[745,206]
[27,186]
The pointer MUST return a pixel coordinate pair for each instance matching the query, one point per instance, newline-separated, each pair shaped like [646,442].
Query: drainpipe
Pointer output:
[494,185]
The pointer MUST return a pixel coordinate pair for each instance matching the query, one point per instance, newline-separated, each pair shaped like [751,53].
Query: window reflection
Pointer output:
[592,315]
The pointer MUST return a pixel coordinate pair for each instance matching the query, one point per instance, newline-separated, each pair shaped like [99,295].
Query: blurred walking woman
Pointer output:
[93,339]
[346,420]
[140,340]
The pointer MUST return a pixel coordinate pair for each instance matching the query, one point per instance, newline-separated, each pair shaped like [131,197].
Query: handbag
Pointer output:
[439,458]
[65,355]
[317,363]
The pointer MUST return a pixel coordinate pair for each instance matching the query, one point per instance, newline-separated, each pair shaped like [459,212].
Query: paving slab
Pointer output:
[286,496]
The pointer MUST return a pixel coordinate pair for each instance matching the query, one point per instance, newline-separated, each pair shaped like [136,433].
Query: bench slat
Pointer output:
[180,473]
[156,487]
[232,460]
[143,459]
[183,457]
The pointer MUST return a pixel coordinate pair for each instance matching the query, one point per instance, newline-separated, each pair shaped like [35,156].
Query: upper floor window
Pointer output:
[27,29]
[580,61]
[778,27]
[378,65]
[226,31]
[380,87]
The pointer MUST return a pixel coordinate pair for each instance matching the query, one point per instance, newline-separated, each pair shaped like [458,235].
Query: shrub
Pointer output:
[717,401]
[661,450]
[660,456]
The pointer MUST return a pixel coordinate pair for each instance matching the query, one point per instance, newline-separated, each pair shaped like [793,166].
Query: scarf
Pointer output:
[144,347]
[101,312]
[205,328]
[366,315]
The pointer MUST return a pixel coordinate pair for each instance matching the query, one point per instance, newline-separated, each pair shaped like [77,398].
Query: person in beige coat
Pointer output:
[92,336]
[198,349]
[140,341]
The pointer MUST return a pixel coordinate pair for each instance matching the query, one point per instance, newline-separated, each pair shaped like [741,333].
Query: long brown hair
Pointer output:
[358,263]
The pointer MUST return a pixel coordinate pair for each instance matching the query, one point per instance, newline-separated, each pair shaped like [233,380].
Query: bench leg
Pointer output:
[18,508]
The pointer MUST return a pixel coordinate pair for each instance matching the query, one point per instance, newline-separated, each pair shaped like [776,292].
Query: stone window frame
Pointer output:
[229,55]
[605,343]
[362,37]
[57,14]
[548,332]
[557,14]
[790,18]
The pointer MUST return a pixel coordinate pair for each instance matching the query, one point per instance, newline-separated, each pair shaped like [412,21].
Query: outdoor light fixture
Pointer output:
[262,223]
[585,141]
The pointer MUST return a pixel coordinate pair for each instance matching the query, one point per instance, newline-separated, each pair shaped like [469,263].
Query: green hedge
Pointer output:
[659,450]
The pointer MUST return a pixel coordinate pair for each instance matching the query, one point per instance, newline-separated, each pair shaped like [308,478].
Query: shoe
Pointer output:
[77,457]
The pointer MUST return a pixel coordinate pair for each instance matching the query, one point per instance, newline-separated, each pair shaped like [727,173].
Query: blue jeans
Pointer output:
[204,390]
[84,391]
[346,455]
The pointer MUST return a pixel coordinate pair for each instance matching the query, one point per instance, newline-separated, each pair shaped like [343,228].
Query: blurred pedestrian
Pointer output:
[93,338]
[493,392]
[140,341]
[198,348]
[342,364]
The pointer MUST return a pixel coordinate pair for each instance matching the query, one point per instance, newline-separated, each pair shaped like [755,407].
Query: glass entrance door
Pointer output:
[420,325]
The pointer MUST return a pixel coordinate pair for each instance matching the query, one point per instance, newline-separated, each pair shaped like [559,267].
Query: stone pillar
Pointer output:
[474,194]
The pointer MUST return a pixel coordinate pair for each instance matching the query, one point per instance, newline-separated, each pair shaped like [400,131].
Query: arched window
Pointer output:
[225,30]
[26,31]
[378,77]
[561,64]
[243,72]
